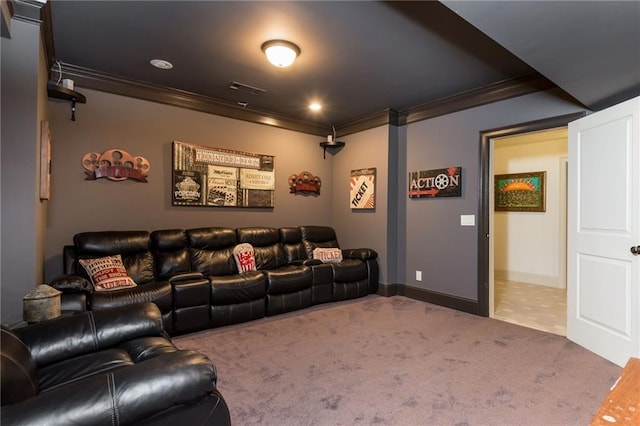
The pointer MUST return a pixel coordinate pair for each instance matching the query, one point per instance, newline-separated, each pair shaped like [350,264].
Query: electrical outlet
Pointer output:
[418,275]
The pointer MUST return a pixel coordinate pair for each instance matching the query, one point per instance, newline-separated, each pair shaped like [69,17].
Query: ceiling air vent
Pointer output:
[246,88]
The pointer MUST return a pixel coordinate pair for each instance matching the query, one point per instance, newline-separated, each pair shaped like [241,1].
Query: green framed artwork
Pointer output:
[520,192]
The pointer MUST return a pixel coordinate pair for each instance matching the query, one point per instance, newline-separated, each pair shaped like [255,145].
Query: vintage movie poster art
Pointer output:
[436,183]
[214,177]
[362,194]
[520,192]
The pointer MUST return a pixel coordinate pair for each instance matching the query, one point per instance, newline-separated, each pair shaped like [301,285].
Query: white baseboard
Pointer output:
[527,278]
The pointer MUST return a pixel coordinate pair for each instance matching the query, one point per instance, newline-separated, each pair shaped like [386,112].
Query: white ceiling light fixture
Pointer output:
[280,53]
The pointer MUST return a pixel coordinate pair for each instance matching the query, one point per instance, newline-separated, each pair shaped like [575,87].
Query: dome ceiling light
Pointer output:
[280,53]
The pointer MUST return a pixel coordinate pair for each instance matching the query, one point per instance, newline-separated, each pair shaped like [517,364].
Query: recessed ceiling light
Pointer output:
[315,106]
[162,64]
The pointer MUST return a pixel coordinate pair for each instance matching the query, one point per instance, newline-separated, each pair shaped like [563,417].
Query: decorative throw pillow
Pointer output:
[107,273]
[328,255]
[244,257]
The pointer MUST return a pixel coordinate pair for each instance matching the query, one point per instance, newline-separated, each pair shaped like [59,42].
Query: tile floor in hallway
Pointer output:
[535,306]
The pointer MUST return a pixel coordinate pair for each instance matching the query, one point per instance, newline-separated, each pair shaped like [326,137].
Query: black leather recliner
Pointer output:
[135,250]
[356,276]
[288,284]
[235,297]
[114,366]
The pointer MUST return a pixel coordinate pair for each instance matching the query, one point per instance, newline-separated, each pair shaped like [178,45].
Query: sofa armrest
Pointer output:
[69,336]
[186,276]
[359,253]
[69,283]
[124,396]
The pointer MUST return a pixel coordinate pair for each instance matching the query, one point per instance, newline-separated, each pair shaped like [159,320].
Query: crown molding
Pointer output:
[96,80]
[502,90]
[506,89]
[381,118]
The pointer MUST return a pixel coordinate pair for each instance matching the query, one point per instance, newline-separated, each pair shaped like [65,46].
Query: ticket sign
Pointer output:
[436,183]
[362,194]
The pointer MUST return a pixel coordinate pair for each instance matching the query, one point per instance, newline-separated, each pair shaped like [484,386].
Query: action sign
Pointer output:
[436,183]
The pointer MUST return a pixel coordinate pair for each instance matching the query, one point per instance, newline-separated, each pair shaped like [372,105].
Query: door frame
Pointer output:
[485,181]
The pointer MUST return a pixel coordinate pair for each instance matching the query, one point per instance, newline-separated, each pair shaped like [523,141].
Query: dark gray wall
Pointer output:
[436,244]
[23,215]
[363,228]
[147,129]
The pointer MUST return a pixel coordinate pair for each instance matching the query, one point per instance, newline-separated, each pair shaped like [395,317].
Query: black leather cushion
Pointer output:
[240,288]
[132,246]
[211,250]
[147,347]
[291,239]
[17,370]
[349,270]
[66,337]
[80,367]
[288,279]
[170,253]
[318,236]
[122,396]
[158,292]
[191,293]
[268,251]
[359,253]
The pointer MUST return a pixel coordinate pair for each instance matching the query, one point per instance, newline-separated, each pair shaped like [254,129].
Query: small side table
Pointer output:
[621,406]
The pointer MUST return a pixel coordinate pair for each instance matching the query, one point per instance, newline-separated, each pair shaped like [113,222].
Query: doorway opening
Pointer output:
[529,247]
[486,261]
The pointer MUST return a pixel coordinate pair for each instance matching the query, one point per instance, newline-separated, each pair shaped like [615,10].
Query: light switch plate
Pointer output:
[467,220]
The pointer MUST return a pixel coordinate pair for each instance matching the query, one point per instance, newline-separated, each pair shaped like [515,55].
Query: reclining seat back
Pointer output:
[234,297]
[211,250]
[132,246]
[268,251]
[135,251]
[170,253]
[322,287]
[288,285]
[190,290]
[350,276]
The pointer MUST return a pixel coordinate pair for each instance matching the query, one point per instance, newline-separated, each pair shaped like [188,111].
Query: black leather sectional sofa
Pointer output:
[108,367]
[192,277]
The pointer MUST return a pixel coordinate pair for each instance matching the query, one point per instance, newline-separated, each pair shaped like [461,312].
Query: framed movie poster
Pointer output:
[214,177]
[520,192]
[362,194]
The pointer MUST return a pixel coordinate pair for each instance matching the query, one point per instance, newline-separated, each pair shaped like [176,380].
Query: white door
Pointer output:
[603,292]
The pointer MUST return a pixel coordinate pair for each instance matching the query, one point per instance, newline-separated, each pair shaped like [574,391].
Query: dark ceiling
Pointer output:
[358,58]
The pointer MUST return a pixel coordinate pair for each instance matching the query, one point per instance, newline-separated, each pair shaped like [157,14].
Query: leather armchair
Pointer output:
[113,366]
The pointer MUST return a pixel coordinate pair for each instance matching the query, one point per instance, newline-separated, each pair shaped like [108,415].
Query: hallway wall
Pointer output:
[528,245]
